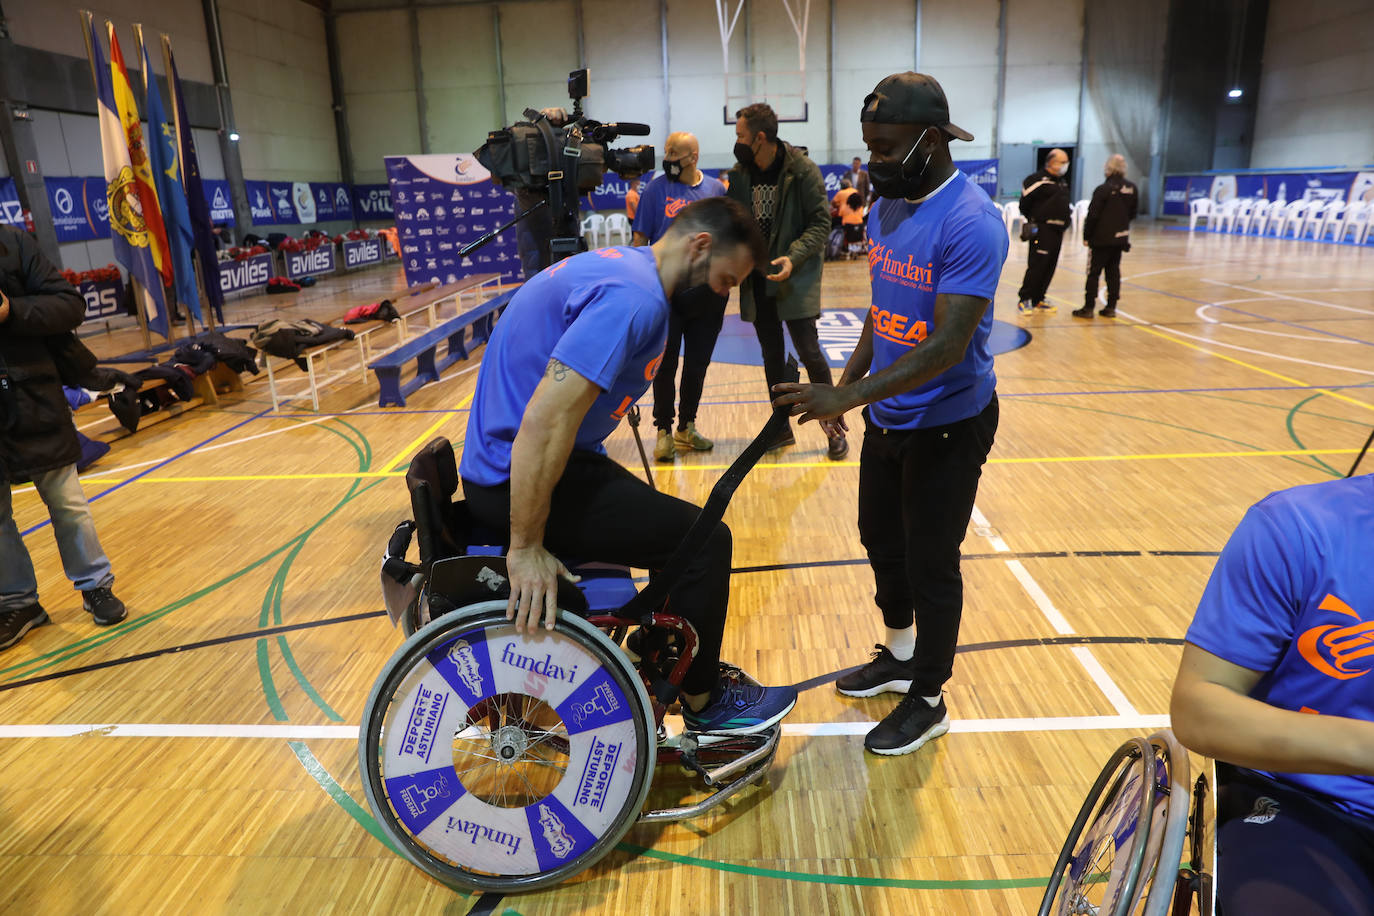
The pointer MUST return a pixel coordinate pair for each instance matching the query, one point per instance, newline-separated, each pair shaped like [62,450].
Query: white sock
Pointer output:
[902,643]
[933,701]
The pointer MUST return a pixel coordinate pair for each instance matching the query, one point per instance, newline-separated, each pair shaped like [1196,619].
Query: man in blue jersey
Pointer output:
[680,184]
[936,249]
[1275,680]
[576,347]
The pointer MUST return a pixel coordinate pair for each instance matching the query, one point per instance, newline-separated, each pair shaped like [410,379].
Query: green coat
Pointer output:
[800,230]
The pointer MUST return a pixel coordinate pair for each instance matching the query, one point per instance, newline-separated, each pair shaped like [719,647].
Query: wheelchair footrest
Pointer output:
[750,757]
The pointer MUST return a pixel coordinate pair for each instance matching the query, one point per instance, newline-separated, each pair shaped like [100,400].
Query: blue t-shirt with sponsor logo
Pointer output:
[664,198]
[1292,596]
[601,313]
[952,242]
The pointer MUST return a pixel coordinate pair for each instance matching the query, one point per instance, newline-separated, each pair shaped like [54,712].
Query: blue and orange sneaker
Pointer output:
[738,707]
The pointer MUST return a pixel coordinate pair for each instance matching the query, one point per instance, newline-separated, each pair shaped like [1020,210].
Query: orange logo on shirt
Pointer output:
[897,328]
[673,206]
[651,369]
[1341,652]
[881,265]
[609,253]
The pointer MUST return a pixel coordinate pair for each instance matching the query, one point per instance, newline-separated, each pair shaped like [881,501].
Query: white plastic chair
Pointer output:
[1331,218]
[1199,208]
[1357,219]
[1278,218]
[1077,214]
[1296,213]
[1226,215]
[1316,216]
[1256,213]
[619,225]
[1011,215]
[592,227]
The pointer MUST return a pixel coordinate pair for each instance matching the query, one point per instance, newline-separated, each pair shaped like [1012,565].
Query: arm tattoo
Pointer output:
[557,370]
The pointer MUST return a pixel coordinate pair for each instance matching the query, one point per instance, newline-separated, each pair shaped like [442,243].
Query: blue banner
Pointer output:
[11,212]
[80,210]
[362,252]
[373,201]
[103,298]
[219,200]
[443,202]
[1179,190]
[283,206]
[305,263]
[259,202]
[251,272]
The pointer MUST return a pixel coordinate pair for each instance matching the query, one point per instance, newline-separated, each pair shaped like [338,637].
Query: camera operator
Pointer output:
[38,441]
[534,232]
[576,347]
[785,191]
[680,184]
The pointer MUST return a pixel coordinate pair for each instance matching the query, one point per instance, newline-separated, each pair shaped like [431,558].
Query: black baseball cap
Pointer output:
[911,98]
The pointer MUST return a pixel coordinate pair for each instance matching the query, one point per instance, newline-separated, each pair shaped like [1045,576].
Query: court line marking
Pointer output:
[1201,312]
[424,437]
[1271,293]
[297,732]
[982,528]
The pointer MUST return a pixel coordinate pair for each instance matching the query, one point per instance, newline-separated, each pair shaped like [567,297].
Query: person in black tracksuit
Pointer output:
[1107,233]
[1045,205]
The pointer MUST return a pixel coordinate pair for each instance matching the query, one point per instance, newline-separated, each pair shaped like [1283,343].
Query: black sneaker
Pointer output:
[838,448]
[906,728]
[882,674]
[1108,312]
[15,622]
[1085,312]
[103,606]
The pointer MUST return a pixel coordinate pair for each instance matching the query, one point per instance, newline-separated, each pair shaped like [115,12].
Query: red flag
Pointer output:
[141,179]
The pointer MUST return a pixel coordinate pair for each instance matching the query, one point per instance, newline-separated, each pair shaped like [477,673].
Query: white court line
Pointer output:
[1217,343]
[1056,619]
[1164,270]
[1267,292]
[1201,312]
[1133,721]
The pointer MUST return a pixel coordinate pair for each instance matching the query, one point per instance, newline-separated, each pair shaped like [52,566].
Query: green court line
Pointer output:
[269,689]
[1293,434]
[343,799]
[301,679]
[970,884]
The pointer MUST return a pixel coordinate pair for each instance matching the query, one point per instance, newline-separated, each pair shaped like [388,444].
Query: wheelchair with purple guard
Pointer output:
[505,761]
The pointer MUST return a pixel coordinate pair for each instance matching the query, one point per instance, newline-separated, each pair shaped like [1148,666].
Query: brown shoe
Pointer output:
[839,447]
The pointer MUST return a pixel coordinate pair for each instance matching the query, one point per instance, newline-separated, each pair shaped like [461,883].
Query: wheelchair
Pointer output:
[1124,853]
[504,761]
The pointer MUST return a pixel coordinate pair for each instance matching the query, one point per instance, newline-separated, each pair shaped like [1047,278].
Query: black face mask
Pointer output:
[744,153]
[673,168]
[889,179]
[697,298]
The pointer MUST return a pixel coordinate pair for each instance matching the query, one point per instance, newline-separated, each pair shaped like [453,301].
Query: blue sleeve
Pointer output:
[649,216]
[604,334]
[1250,607]
[971,260]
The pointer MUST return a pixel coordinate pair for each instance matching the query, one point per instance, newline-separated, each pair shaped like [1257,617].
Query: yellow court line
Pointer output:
[779,466]
[1240,362]
[420,439]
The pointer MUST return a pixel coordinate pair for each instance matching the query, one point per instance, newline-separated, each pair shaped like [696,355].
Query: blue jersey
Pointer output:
[663,199]
[602,314]
[953,242]
[1292,596]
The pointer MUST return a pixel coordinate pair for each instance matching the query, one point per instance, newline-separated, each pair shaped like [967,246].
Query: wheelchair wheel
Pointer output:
[1099,866]
[503,761]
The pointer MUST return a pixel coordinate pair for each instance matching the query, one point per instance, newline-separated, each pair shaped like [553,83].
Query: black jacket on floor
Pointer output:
[1114,205]
[36,430]
[1045,199]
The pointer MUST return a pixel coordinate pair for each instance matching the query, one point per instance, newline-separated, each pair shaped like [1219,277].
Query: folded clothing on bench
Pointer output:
[289,339]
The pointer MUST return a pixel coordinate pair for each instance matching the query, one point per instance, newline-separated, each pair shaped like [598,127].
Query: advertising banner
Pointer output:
[80,210]
[259,203]
[373,201]
[304,263]
[362,252]
[236,276]
[219,200]
[443,202]
[103,298]
[11,213]
[1279,187]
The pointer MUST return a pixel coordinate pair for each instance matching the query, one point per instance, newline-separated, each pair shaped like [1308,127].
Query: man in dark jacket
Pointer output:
[1045,205]
[1107,233]
[38,440]
[785,191]
[857,176]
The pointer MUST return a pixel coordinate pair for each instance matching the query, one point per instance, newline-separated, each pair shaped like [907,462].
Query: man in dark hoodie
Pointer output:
[1045,205]
[38,440]
[1107,233]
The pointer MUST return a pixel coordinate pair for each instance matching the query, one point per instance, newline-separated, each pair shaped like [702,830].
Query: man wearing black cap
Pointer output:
[923,369]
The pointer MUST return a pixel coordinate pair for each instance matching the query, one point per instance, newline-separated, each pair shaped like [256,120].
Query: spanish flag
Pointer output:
[143,185]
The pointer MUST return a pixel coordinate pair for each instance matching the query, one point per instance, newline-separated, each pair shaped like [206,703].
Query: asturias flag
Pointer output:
[133,202]
[162,158]
[201,227]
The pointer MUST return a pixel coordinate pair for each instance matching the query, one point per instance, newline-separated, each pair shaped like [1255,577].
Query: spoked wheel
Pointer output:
[505,761]
[1098,871]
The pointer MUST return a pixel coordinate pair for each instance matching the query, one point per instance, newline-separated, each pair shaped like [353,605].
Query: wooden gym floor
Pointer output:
[201,756]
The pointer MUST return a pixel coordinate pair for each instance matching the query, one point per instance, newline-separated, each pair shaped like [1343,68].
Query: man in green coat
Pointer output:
[784,189]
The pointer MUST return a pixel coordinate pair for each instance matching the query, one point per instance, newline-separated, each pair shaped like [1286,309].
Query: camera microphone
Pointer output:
[628,128]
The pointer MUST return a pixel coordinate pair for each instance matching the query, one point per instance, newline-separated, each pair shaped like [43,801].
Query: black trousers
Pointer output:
[695,338]
[1041,260]
[916,493]
[1100,260]
[768,327]
[601,512]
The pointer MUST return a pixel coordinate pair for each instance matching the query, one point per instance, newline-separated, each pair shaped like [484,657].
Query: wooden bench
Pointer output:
[426,301]
[423,350]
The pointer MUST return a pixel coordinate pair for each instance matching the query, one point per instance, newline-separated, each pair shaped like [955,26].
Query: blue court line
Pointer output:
[155,467]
